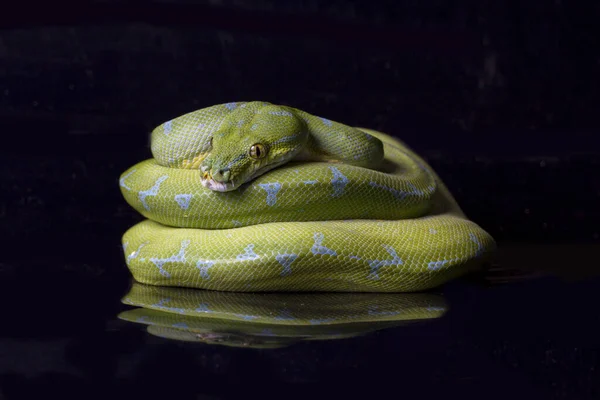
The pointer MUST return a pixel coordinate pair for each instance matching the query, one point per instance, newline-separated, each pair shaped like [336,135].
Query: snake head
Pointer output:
[251,141]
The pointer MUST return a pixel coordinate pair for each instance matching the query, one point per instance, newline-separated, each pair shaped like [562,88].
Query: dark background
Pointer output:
[501,97]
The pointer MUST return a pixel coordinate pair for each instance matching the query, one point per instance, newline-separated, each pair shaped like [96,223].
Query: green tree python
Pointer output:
[253,196]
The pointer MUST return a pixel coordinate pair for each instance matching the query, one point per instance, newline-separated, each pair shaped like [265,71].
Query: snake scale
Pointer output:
[253,196]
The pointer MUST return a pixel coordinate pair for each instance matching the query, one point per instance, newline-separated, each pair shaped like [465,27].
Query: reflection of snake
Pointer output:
[273,319]
[258,197]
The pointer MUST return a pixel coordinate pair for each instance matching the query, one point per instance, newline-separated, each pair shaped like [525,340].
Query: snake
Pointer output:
[252,196]
[272,320]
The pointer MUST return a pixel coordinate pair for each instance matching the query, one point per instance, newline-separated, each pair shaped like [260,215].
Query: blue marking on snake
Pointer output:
[151,192]
[436,265]
[179,257]
[326,121]
[435,308]
[339,182]
[167,127]
[286,261]
[284,315]
[272,189]
[180,325]
[231,106]
[248,254]
[183,200]
[373,310]
[136,252]
[235,160]
[122,180]
[203,308]
[203,266]
[285,139]
[245,317]
[475,240]
[399,194]
[375,265]
[161,305]
[318,248]
[321,321]
[281,113]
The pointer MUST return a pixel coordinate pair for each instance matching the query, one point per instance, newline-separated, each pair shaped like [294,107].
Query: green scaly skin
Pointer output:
[275,319]
[328,208]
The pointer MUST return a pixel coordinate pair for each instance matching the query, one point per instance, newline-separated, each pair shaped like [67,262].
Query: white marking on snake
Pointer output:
[179,257]
[248,254]
[122,180]
[318,248]
[339,182]
[375,265]
[286,261]
[161,305]
[183,200]
[203,266]
[151,192]
[180,325]
[433,231]
[136,253]
[143,318]
[311,182]
[124,246]
[167,127]
[240,123]
[231,106]
[272,189]
[203,308]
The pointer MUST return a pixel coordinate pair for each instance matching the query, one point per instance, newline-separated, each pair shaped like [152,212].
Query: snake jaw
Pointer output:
[209,183]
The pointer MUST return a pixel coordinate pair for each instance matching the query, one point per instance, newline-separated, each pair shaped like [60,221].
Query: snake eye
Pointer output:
[257,151]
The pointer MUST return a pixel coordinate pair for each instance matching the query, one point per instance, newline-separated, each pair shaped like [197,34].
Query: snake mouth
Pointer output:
[211,184]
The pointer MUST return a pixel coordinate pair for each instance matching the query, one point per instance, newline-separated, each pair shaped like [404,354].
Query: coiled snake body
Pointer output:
[251,196]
